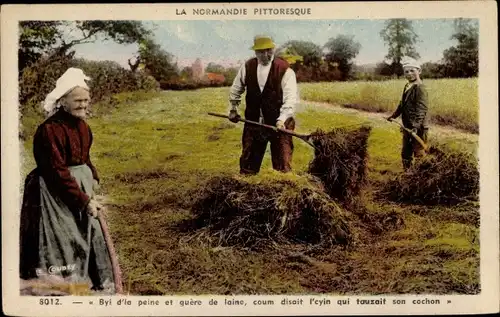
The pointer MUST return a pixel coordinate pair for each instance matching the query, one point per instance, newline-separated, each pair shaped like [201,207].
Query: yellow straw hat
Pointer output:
[262,42]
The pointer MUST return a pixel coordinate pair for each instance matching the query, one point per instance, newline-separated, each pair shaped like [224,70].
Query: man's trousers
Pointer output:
[254,143]
[411,147]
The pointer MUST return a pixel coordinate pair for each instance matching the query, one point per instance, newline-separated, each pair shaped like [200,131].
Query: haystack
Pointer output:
[276,209]
[340,161]
[445,176]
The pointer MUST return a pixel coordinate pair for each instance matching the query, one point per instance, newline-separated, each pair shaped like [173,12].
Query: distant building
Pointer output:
[214,78]
[198,69]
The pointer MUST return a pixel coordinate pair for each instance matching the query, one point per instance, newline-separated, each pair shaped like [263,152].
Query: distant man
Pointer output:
[271,97]
[413,109]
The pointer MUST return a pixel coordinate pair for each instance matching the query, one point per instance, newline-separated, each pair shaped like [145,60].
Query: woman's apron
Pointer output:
[73,247]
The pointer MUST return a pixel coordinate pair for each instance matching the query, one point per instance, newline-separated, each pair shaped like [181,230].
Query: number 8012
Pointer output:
[49,301]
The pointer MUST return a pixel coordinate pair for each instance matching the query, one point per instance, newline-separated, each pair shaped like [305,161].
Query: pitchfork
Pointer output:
[304,137]
[414,135]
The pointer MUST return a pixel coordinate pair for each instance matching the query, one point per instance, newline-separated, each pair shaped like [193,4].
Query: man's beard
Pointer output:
[266,61]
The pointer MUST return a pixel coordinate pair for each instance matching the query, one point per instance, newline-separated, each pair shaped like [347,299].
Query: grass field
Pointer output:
[453,102]
[154,150]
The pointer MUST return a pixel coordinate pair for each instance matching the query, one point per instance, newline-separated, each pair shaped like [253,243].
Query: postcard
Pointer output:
[250,159]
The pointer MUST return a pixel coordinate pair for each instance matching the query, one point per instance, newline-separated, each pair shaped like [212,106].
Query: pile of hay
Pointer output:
[444,176]
[340,161]
[286,208]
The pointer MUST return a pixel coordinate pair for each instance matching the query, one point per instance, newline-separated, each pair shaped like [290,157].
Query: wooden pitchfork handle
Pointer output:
[306,138]
[117,274]
[413,134]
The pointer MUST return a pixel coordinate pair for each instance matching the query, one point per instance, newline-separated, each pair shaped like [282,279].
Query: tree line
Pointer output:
[45,49]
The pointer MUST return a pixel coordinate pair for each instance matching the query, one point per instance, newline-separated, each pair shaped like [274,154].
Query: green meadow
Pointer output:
[153,150]
[453,102]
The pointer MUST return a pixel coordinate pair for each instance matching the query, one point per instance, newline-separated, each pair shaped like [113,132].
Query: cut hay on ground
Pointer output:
[340,161]
[256,211]
[55,285]
[444,176]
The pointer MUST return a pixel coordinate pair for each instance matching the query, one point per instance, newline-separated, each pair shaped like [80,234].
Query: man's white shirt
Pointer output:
[288,85]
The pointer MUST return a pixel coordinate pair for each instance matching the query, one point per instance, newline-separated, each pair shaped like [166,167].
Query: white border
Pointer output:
[485,11]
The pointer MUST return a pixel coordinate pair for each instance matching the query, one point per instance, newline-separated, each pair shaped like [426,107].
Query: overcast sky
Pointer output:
[229,42]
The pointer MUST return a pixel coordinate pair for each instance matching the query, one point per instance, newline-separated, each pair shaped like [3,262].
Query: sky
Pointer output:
[228,42]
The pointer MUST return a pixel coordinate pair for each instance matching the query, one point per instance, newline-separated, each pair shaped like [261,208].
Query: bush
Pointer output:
[107,78]
[189,85]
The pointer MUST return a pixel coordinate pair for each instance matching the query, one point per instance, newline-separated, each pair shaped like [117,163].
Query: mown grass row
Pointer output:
[452,102]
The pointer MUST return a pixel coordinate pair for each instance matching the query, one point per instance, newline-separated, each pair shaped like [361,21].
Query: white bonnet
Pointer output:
[411,63]
[73,77]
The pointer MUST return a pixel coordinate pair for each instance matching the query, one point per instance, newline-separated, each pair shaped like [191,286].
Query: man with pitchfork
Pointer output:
[413,109]
[271,97]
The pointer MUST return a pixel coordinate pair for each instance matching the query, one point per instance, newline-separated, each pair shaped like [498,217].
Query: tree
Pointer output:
[39,37]
[135,65]
[35,37]
[122,32]
[462,60]
[186,73]
[230,74]
[214,68]
[290,55]
[399,36]
[311,53]
[432,70]
[157,62]
[340,52]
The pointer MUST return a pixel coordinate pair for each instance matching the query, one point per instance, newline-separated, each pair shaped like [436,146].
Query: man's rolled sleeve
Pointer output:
[237,89]
[289,87]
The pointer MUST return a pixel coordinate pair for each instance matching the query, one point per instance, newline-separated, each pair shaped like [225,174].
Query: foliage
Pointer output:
[311,53]
[38,37]
[432,70]
[214,68]
[400,37]
[157,62]
[462,60]
[229,75]
[38,80]
[291,56]
[341,50]
[107,78]
[35,37]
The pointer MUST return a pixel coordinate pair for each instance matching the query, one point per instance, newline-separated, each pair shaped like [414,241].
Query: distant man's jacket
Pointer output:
[413,107]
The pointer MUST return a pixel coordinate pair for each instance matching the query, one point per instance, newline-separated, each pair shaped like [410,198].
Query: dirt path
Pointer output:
[438,131]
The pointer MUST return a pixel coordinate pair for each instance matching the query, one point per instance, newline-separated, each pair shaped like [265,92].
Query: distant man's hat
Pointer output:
[411,63]
[262,42]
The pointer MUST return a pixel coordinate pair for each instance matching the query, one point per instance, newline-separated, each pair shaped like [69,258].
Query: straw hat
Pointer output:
[262,42]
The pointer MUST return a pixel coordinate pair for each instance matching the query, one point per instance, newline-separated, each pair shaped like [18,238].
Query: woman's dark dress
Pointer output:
[60,144]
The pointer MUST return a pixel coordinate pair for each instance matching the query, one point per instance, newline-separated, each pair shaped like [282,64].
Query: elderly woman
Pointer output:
[60,234]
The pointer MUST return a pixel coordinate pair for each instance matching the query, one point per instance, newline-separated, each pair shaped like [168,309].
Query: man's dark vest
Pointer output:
[270,99]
